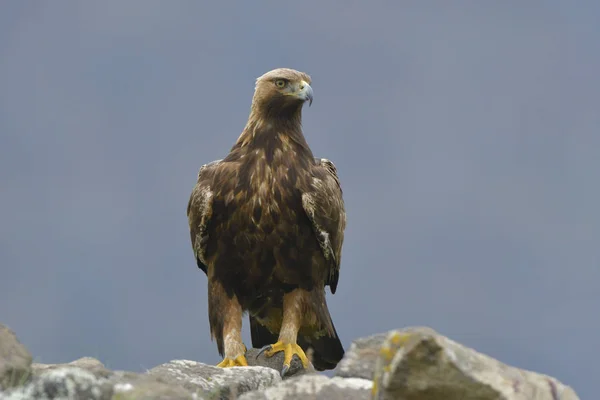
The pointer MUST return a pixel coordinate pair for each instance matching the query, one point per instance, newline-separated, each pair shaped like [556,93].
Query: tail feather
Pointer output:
[327,351]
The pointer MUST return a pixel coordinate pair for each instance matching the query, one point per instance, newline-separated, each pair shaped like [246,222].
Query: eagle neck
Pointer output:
[264,128]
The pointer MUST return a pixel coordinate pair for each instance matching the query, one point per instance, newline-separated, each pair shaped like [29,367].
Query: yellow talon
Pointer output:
[289,350]
[239,361]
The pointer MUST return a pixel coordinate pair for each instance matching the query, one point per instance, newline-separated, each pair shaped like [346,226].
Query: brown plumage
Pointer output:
[267,226]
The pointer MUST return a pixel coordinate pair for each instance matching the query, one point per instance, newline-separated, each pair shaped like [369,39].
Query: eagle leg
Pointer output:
[225,316]
[235,350]
[288,335]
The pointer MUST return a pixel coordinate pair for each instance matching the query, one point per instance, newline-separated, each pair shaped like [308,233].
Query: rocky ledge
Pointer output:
[411,364]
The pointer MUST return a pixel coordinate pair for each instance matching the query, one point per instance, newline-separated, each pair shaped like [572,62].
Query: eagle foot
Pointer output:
[289,350]
[239,361]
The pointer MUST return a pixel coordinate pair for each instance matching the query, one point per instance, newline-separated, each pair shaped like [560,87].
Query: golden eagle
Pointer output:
[267,226]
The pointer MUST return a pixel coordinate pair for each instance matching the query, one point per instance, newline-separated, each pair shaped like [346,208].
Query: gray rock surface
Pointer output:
[15,360]
[62,383]
[419,363]
[70,383]
[224,382]
[87,363]
[131,386]
[315,386]
[178,379]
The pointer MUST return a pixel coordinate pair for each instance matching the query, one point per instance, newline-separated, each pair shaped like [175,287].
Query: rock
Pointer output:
[15,360]
[360,359]
[180,379]
[409,364]
[87,363]
[217,382]
[314,386]
[276,362]
[419,363]
[89,378]
[62,383]
[132,386]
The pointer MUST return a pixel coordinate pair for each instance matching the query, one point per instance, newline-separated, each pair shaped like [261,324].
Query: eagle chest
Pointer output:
[258,218]
[274,197]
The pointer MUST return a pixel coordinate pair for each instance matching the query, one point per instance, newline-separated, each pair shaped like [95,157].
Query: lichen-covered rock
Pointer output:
[15,360]
[276,362]
[419,363]
[359,360]
[217,382]
[314,386]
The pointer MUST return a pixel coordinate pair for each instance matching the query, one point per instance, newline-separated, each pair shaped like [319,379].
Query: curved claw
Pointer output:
[265,348]
[289,350]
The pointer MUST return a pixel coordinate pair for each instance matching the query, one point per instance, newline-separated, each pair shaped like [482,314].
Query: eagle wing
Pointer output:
[324,207]
[199,212]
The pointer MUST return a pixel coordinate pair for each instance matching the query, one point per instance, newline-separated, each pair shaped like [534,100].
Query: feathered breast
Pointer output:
[263,182]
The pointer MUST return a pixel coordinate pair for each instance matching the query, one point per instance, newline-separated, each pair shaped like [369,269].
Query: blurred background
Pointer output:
[466,137]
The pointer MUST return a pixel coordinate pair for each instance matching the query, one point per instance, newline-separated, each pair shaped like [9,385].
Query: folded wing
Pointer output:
[199,212]
[324,207]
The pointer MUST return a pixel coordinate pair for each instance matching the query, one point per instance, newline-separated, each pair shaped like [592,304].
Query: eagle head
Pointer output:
[282,90]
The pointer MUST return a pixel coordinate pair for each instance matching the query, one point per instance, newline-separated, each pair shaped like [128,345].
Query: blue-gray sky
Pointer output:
[466,136]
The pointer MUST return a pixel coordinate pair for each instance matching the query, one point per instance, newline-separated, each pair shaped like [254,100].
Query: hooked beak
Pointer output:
[305,92]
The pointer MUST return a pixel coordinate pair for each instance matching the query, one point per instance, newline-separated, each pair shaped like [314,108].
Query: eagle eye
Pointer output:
[280,83]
